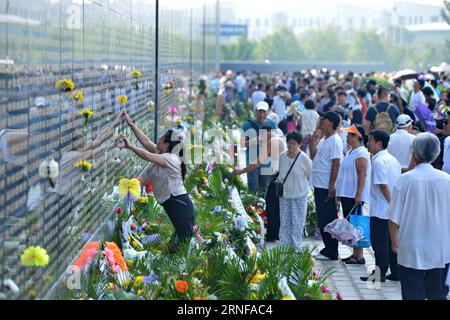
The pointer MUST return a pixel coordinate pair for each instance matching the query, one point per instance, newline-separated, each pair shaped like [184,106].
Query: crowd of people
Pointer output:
[354,140]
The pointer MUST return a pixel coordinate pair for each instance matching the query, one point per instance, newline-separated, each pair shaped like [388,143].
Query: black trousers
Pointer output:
[423,284]
[326,212]
[381,244]
[273,213]
[180,210]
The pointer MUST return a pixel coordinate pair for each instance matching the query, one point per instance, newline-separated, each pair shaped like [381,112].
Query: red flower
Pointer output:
[148,186]
[119,211]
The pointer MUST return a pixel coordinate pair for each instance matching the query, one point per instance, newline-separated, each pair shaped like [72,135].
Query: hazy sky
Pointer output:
[276,5]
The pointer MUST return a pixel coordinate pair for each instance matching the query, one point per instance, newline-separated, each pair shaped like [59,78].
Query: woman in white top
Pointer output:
[166,172]
[353,181]
[294,202]
[309,120]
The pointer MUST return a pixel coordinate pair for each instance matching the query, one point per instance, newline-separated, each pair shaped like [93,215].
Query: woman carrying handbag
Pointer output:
[292,187]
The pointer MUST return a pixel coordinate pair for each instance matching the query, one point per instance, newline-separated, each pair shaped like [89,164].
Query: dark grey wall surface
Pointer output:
[96,43]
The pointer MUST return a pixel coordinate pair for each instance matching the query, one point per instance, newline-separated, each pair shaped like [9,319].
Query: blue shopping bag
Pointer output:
[362,224]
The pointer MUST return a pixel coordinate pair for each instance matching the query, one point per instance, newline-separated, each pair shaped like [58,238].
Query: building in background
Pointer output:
[395,20]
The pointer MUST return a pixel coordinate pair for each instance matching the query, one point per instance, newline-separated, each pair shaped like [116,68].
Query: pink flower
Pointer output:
[110,259]
[316,274]
[338,296]
[324,289]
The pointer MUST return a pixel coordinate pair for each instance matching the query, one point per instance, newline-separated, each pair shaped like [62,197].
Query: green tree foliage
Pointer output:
[324,45]
[367,46]
[282,44]
[243,50]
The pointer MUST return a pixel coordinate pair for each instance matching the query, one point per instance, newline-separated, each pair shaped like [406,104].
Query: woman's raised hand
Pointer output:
[126,141]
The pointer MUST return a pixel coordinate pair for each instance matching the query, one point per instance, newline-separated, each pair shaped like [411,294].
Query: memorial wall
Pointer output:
[108,50]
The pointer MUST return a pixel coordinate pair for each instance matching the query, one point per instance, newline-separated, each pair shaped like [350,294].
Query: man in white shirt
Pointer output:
[419,226]
[326,155]
[417,97]
[400,144]
[279,104]
[386,170]
[259,95]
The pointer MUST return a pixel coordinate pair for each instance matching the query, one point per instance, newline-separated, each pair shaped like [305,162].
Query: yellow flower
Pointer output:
[132,186]
[198,271]
[138,281]
[143,200]
[84,165]
[86,113]
[129,261]
[286,298]
[32,293]
[126,283]
[65,85]
[140,292]
[258,278]
[77,96]
[135,74]
[111,286]
[34,256]
[133,210]
[122,99]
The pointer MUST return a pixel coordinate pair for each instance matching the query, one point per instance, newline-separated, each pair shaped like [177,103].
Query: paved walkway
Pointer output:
[345,278]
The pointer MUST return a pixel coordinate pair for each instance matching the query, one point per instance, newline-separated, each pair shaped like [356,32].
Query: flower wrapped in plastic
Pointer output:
[131,190]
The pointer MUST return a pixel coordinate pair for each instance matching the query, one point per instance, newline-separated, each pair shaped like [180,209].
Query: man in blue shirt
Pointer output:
[255,180]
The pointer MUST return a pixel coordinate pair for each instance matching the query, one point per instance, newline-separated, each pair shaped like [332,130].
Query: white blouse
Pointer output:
[166,180]
[347,180]
[297,183]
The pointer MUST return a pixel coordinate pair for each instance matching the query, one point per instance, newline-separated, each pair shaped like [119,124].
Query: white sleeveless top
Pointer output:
[347,180]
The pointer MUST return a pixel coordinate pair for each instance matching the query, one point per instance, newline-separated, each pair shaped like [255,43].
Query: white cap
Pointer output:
[403,121]
[262,105]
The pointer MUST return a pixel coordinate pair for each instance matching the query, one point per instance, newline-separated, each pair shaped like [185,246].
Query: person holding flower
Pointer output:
[167,172]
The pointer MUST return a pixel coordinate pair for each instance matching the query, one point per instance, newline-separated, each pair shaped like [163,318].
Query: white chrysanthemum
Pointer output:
[240,222]
[53,169]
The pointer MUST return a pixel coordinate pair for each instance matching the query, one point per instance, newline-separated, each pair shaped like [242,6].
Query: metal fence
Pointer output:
[95,43]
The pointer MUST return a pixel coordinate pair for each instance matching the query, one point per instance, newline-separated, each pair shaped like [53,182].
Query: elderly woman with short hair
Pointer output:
[419,214]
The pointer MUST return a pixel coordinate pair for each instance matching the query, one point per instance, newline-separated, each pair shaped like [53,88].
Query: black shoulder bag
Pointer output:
[280,185]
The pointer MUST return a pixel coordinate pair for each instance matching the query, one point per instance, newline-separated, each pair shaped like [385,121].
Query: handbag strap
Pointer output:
[355,206]
[290,169]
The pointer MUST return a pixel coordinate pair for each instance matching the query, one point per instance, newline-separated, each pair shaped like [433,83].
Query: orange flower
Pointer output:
[200,298]
[117,255]
[181,286]
[87,255]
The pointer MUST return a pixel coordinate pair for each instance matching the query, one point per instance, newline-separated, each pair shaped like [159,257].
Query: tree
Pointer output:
[324,45]
[281,45]
[243,50]
[367,46]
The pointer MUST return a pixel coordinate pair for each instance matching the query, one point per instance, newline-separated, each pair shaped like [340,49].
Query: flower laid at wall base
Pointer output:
[131,189]
[65,85]
[35,256]
[86,114]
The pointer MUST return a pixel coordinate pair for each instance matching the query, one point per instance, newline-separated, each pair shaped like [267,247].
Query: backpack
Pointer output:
[383,121]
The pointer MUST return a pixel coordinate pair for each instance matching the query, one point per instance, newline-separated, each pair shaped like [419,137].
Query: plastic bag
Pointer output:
[361,223]
[343,231]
